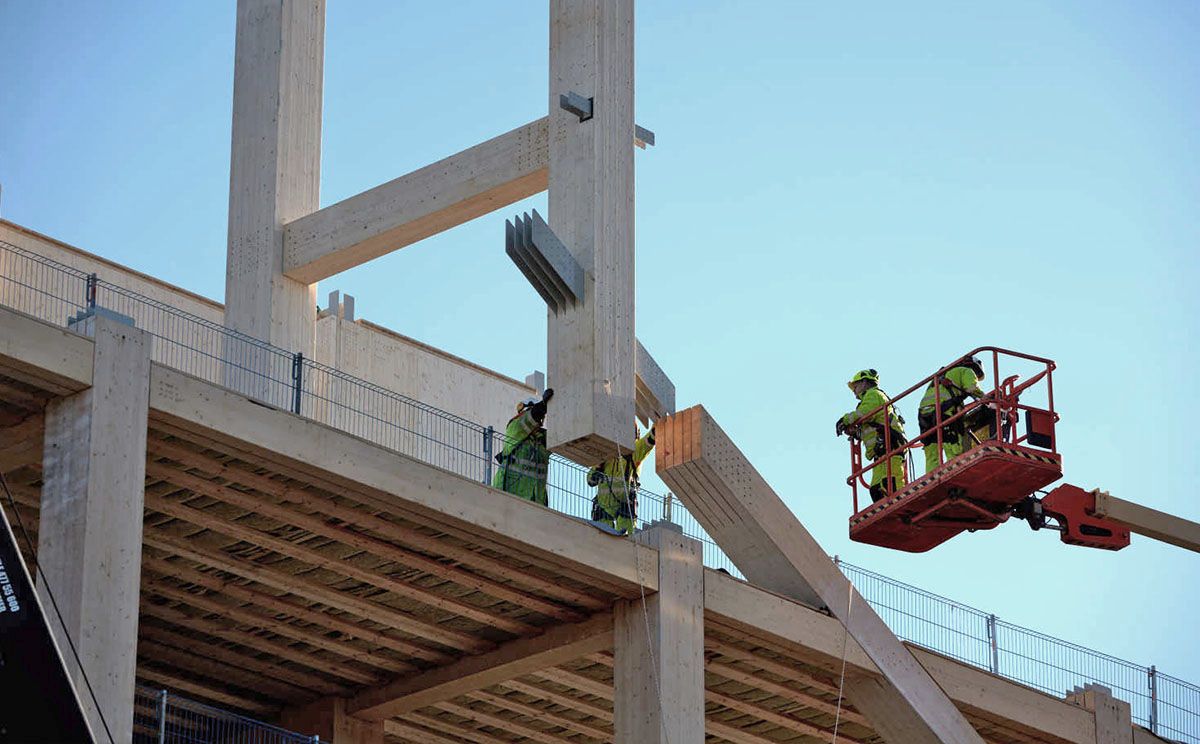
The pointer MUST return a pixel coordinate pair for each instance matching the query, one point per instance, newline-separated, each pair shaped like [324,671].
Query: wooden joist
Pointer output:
[515,659]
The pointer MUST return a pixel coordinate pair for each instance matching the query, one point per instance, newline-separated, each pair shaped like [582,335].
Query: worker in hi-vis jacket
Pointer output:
[617,482]
[951,389]
[524,459]
[868,425]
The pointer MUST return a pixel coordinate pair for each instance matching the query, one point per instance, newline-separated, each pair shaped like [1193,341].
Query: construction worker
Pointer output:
[868,423]
[617,482]
[951,389]
[524,459]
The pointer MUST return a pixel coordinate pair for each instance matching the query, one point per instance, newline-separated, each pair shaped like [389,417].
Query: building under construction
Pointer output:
[268,512]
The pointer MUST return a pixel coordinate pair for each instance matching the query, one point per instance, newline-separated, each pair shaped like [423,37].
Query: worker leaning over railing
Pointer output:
[950,390]
[525,459]
[617,482]
[869,422]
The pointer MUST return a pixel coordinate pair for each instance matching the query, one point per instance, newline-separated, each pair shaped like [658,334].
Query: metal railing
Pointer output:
[163,717]
[46,289]
[1168,706]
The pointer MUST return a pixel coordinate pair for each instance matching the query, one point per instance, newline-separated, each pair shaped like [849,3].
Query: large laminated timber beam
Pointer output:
[560,644]
[454,190]
[275,166]
[590,346]
[741,511]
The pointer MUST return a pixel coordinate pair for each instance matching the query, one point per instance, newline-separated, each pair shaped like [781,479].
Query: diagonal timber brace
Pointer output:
[741,511]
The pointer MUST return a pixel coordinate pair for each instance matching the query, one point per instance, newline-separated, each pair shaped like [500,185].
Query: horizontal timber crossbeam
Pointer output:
[560,644]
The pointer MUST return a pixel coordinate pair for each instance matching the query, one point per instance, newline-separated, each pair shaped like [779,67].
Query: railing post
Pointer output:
[995,655]
[488,437]
[162,717]
[297,380]
[667,503]
[1153,678]
[89,292]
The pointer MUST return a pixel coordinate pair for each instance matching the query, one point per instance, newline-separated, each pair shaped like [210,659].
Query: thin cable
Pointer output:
[45,583]
[837,718]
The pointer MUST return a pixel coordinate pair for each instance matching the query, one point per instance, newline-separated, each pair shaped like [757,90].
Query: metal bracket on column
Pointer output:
[642,136]
[544,260]
[576,104]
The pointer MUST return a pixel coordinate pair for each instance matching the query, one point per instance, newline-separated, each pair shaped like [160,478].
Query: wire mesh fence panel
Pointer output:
[1055,666]
[37,286]
[1176,709]
[927,619]
[205,349]
[162,717]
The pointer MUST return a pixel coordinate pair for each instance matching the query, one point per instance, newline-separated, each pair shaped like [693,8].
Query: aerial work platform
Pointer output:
[980,488]
[975,491]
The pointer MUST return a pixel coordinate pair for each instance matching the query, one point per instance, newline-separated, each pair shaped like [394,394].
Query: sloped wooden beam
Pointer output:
[772,548]
[557,645]
[429,200]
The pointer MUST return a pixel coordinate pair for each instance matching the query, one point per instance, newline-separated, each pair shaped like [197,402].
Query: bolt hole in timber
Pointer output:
[987,435]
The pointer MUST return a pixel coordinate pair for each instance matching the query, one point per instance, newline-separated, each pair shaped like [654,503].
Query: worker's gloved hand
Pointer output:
[595,477]
[841,426]
[650,436]
[546,396]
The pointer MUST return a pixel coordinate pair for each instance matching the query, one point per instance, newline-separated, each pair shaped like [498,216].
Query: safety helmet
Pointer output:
[869,375]
[975,364]
[527,403]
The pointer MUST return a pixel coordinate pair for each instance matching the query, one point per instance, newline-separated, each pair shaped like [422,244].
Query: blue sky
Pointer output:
[885,186]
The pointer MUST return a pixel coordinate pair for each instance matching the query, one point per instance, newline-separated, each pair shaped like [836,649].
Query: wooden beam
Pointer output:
[205,691]
[380,578]
[591,346]
[772,548]
[44,356]
[550,716]
[255,503]
[1149,522]
[812,636]
[256,618]
[454,190]
[365,517]
[281,605]
[301,587]
[275,166]
[557,645]
[234,656]
[21,445]
[379,477]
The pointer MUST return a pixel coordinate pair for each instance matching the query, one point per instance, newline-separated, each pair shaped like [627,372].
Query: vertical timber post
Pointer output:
[591,345]
[275,166]
[658,648]
[90,526]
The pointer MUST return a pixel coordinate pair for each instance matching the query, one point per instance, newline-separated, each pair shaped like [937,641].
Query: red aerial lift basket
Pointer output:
[975,491]
[978,489]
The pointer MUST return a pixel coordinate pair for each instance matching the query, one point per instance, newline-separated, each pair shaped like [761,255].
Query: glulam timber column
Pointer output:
[275,171]
[591,345]
[658,648]
[90,526]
